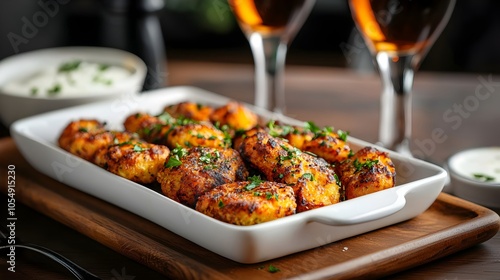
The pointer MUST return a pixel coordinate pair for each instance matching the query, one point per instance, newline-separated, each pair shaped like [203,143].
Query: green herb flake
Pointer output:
[291,153]
[103,67]
[82,129]
[312,127]
[272,269]
[342,135]
[221,204]
[164,117]
[34,91]
[175,156]
[254,182]
[270,195]
[69,66]
[367,164]
[138,148]
[102,80]
[308,176]
[54,90]
[337,179]
[173,162]
[483,177]
[200,136]
[124,143]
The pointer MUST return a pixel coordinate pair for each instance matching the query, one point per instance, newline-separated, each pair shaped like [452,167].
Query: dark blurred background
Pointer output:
[205,30]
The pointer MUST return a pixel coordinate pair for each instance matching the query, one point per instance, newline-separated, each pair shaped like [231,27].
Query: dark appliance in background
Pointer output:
[133,25]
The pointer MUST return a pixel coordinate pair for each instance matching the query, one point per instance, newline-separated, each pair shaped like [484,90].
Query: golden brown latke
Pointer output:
[142,124]
[328,145]
[135,160]
[242,203]
[190,110]
[197,135]
[234,115]
[312,179]
[368,171]
[172,132]
[295,135]
[191,172]
[84,137]
[238,138]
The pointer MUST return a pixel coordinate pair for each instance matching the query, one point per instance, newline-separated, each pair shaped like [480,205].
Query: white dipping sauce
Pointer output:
[69,79]
[482,164]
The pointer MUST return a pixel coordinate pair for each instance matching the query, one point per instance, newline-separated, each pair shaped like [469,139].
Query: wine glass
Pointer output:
[399,33]
[270,26]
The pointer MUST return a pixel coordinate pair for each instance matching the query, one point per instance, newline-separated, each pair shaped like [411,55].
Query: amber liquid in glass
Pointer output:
[402,26]
[266,16]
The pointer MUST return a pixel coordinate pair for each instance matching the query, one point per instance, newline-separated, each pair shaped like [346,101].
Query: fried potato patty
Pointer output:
[135,160]
[314,182]
[190,110]
[368,171]
[237,203]
[328,145]
[190,173]
[84,137]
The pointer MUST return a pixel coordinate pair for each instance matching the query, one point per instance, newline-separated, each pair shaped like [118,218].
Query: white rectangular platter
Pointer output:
[418,184]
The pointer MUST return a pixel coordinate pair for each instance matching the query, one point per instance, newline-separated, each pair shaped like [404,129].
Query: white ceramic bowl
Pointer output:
[475,175]
[14,106]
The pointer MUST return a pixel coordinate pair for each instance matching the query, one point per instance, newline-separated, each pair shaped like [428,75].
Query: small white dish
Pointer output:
[18,102]
[475,175]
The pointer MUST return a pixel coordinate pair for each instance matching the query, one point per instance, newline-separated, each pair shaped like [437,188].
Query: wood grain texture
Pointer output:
[448,226]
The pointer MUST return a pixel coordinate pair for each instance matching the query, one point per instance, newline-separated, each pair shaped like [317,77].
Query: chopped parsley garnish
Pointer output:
[200,136]
[483,177]
[103,67]
[280,130]
[82,129]
[291,153]
[342,135]
[254,182]
[54,90]
[138,148]
[102,80]
[184,121]
[209,159]
[325,131]
[270,195]
[70,66]
[175,157]
[173,162]
[221,204]
[337,179]
[368,164]
[272,269]
[123,143]
[312,127]
[165,117]
[308,176]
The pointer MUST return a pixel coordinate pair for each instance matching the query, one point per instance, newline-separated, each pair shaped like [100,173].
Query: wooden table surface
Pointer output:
[463,106]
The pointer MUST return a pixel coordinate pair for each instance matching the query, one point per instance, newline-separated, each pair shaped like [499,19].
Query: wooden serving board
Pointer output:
[449,225]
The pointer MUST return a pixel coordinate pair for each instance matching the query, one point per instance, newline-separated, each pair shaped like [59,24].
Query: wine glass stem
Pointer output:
[395,109]
[269,57]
